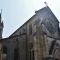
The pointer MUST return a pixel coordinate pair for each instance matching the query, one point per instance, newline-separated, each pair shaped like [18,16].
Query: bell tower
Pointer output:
[1,25]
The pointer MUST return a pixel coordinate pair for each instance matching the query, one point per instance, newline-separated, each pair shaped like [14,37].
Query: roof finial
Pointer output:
[46,3]
[1,11]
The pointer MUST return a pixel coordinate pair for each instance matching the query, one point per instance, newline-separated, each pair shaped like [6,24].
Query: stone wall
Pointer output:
[33,42]
[15,42]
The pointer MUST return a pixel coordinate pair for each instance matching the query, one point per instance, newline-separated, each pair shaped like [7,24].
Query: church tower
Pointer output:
[1,25]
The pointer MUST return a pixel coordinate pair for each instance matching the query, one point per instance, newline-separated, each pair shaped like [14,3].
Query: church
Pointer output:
[37,39]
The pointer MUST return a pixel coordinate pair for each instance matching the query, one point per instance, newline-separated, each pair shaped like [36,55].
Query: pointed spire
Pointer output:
[2,24]
[1,11]
[0,15]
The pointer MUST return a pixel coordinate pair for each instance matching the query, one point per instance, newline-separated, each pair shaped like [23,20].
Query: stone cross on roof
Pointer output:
[46,3]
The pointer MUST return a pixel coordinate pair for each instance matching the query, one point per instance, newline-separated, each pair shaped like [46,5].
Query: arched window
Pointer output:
[16,54]
[52,47]
[31,52]
[37,22]
[32,55]
[20,33]
[4,50]
[17,41]
[30,29]
[23,31]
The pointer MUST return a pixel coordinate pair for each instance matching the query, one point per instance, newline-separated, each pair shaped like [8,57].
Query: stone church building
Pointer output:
[37,39]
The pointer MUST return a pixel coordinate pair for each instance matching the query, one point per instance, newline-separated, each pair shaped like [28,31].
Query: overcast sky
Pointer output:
[16,12]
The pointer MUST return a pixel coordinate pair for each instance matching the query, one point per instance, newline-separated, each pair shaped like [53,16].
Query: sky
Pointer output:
[17,12]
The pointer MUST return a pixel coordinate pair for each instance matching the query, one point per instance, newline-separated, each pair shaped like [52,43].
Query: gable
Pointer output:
[46,11]
[42,15]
